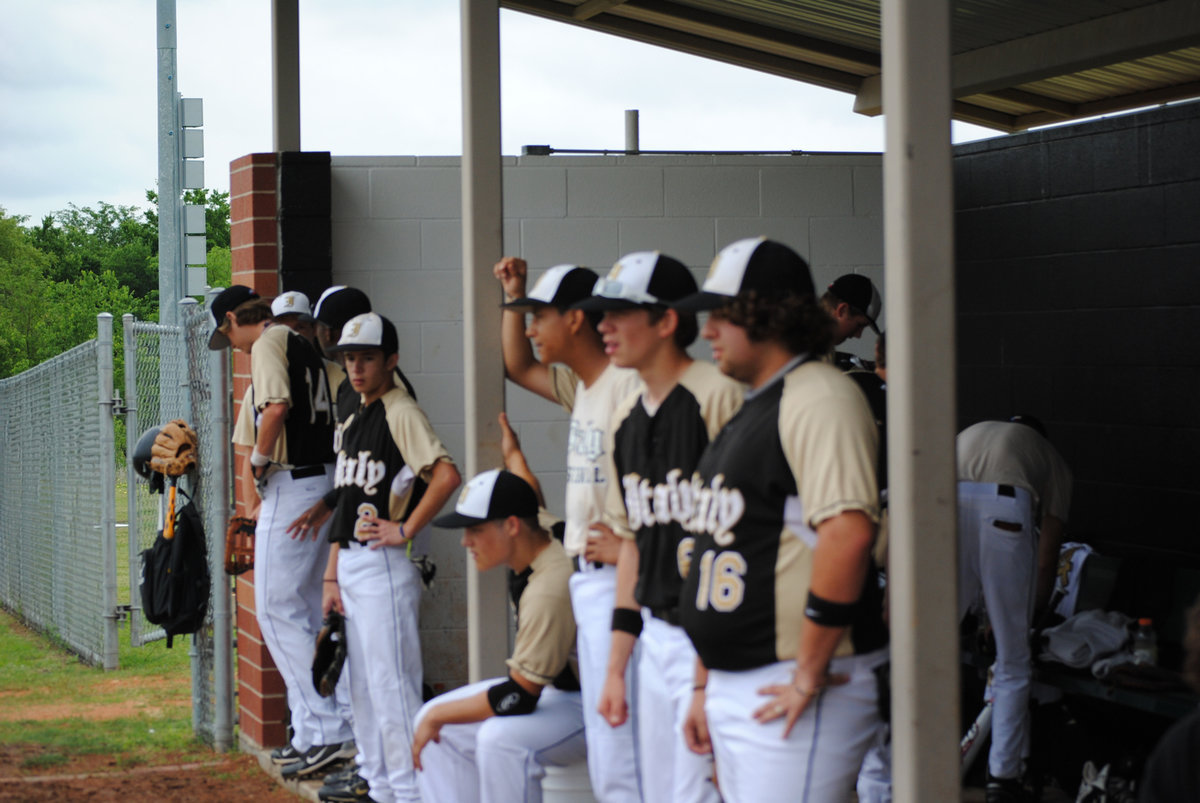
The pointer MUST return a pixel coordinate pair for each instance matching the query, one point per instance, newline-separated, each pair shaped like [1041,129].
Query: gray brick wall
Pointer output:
[396,234]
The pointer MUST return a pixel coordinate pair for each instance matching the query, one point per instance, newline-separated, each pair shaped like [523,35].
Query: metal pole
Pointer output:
[170,155]
[483,374]
[285,74]
[108,490]
[218,500]
[919,259]
[631,131]
[132,433]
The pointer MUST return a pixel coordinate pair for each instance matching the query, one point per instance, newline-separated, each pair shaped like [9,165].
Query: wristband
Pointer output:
[258,459]
[627,620]
[329,580]
[698,687]
[828,613]
[403,535]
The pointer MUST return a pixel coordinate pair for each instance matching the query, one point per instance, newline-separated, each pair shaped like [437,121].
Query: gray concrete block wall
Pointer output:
[396,234]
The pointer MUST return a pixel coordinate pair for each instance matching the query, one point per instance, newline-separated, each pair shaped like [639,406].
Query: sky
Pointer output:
[78,78]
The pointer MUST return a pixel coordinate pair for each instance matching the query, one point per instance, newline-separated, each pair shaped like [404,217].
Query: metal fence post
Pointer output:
[108,490]
[218,500]
[132,434]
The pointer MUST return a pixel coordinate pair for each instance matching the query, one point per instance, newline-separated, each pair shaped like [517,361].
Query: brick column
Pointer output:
[262,698]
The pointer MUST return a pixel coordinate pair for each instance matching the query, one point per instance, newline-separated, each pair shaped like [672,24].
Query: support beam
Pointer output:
[919,275]
[590,8]
[285,74]
[482,245]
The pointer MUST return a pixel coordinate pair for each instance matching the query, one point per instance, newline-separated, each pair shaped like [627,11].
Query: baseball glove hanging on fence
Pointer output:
[174,449]
[239,545]
[330,654]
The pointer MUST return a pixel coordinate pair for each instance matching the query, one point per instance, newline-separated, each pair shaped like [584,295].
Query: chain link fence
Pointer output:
[57,474]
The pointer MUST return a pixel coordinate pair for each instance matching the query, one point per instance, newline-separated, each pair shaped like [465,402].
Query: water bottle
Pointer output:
[1145,643]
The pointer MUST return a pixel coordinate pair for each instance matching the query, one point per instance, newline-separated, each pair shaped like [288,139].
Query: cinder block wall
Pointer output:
[396,235]
[1079,300]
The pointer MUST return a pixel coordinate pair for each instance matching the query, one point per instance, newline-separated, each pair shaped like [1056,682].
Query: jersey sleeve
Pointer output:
[244,431]
[563,382]
[720,404]
[616,515]
[829,439]
[545,635]
[335,374]
[268,368]
[414,435]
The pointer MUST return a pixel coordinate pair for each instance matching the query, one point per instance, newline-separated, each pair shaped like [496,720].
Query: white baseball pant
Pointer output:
[666,674]
[997,564]
[381,594]
[819,760]
[611,753]
[501,759]
[287,602]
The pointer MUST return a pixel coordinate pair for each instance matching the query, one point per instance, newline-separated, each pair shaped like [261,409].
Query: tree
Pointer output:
[23,304]
[216,214]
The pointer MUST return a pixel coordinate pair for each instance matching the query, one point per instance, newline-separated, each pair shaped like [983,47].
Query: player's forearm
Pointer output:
[520,363]
[331,563]
[627,571]
[443,481]
[475,708]
[270,426]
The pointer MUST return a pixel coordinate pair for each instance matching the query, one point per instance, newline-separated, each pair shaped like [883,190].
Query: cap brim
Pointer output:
[874,328]
[454,521]
[218,340]
[603,303]
[700,302]
[526,303]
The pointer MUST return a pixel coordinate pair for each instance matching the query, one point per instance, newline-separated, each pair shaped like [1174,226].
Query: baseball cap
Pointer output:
[859,292]
[560,286]
[339,304]
[643,278]
[227,300]
[492,495]
[769,268]
[368,331]
[293,302]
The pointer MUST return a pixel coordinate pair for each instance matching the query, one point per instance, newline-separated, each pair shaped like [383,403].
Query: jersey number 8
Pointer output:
[721,582]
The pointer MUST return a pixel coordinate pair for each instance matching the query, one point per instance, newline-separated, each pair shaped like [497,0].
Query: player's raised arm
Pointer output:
[521,365]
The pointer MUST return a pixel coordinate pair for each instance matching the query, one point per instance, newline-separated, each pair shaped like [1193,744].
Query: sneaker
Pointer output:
[285,755]
[353,791]
[1006,790]
[316,759]
[342,776]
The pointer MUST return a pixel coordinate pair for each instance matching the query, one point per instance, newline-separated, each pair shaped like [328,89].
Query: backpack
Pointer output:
[175,578]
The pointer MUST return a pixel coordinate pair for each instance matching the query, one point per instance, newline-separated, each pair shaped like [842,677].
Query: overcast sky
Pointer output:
[78,118]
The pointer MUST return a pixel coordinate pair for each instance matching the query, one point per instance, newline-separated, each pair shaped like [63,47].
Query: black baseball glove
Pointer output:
[330,654]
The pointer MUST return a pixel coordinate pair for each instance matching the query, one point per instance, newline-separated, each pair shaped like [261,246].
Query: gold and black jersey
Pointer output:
[385,451]
[800,451]
[655,454]
[286,369]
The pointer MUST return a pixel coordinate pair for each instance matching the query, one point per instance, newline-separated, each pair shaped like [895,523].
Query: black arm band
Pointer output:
[827,612]
[510,699]
[627,620]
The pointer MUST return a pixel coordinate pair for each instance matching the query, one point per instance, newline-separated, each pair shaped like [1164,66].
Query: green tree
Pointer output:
[216,214]
[24,341]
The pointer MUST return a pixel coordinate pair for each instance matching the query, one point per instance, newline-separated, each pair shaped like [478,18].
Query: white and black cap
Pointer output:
[769,268]
[641,279]
[366,332]
[339,304]
[860,293]
[492,495]
[293,302]
[227,300]
[560,287]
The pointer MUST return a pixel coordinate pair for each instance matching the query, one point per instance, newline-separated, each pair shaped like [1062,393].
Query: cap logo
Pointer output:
[355,329]
[289,301]
[462,497]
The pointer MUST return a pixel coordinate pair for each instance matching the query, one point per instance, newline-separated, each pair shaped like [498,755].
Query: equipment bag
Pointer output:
[175,578]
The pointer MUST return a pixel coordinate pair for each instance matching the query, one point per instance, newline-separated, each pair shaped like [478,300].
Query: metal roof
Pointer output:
[1016,63]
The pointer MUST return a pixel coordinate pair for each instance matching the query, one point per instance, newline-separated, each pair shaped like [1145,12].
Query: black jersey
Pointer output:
[285,368]
[384,450]
[655,454]
[801,450]
[348,398]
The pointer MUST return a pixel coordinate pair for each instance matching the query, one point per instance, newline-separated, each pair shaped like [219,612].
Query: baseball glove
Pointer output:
[330,654]
[239,545]
[174,449]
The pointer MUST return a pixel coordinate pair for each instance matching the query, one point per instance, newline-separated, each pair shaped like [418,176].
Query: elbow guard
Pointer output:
[510,699]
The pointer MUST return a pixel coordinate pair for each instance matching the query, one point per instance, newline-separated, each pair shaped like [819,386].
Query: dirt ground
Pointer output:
[191,777]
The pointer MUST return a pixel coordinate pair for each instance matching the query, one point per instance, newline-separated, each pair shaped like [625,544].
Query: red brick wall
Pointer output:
[262,698]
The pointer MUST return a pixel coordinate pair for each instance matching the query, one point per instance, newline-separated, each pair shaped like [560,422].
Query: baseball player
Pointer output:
[382,447]
[292,309]
[1011,483]
[780,602]
[659,434]
[491,741]
[292,462]
[575,372]
[854,303]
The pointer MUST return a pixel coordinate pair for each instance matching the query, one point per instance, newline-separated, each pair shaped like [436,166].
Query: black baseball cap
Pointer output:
[492,495]
[227,300]
[339,304]
[368,331]
[769,268]
[859,292]
[641,279]
[560,287]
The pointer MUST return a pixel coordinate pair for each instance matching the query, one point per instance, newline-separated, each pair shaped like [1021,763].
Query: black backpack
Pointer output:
[175,577]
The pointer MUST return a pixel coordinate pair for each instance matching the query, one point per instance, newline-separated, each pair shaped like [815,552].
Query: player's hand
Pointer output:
[310,521]
[695,725]
[430,730]
[603,544]
[381,532]
[612,704]
[789,701]
[511,271]
[331,598]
